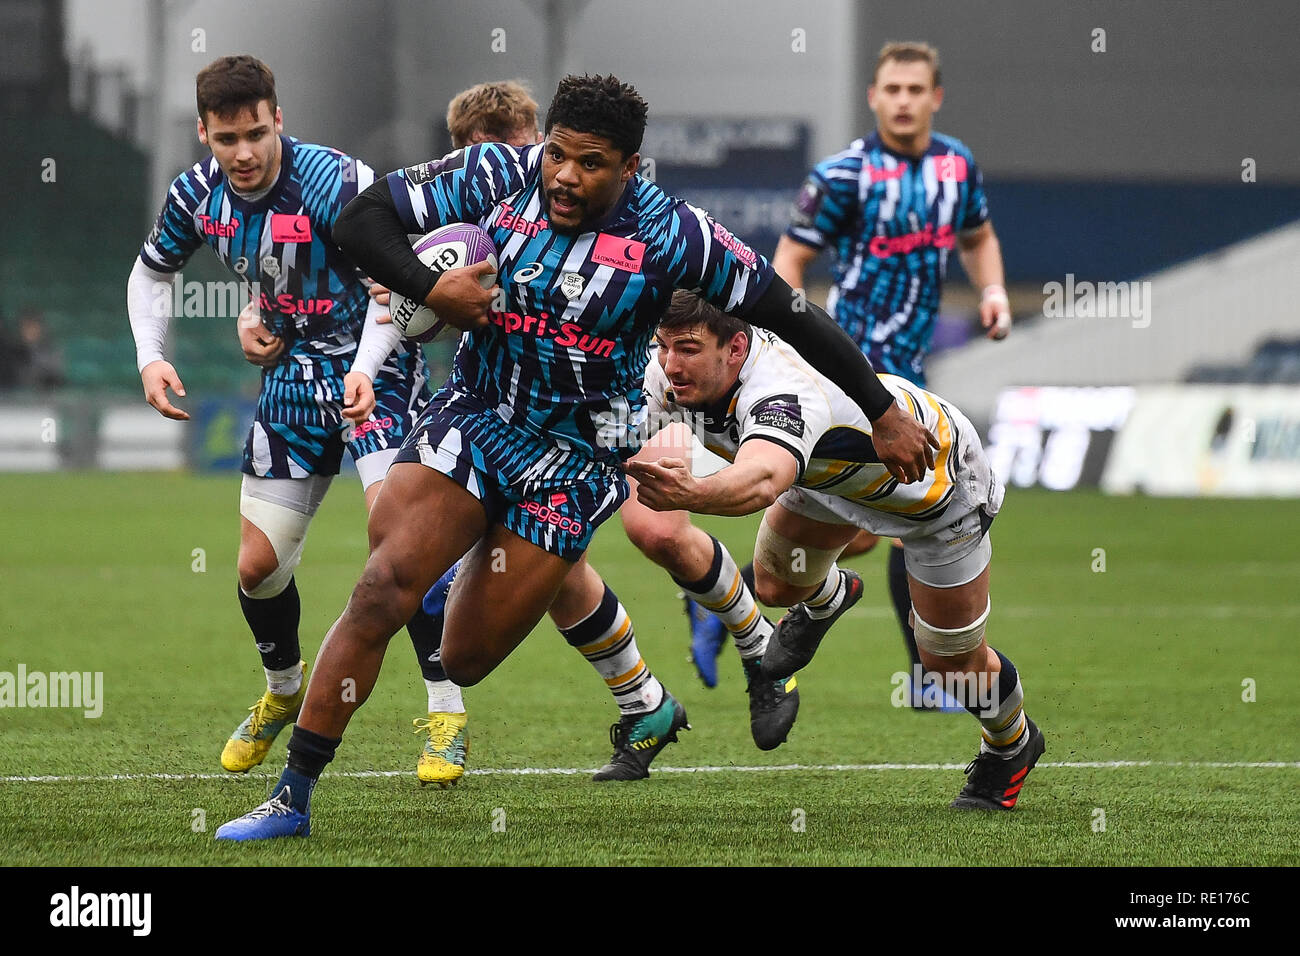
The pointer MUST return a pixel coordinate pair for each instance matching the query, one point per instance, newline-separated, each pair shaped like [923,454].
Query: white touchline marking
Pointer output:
[779,768]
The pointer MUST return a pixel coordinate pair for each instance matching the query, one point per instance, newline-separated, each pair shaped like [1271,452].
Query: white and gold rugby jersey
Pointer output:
[780,398]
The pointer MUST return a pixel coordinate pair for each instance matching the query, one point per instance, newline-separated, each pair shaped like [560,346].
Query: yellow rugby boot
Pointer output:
[443,759]
[249,744]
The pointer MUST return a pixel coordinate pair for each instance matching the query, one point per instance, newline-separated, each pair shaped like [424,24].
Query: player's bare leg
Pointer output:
[862,542]
[504,586]
[705,571]
[897,578]
[594,622]
[421,523]
[950,623]
[444,726]
[794,567]
[274,517]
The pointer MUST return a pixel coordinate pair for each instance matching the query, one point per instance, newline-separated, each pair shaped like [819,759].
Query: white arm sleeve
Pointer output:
[377,341]
[149,307]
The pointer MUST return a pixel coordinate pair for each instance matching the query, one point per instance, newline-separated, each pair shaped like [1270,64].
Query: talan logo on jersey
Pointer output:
[950,169]
[624,254]
[882,247]
[737,248]
[222,230]
[287,227]
[877,175]
[509,218]
[781,412]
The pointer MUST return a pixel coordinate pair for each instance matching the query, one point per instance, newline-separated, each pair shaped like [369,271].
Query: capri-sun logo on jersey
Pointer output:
[566,335]
[882,247]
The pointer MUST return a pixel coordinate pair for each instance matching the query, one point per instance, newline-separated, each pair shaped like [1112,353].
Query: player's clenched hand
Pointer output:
[995,312]
[664,485]
[358,397]
[903,444]
[259,345]
[459,298]
[157,377]
[384,296]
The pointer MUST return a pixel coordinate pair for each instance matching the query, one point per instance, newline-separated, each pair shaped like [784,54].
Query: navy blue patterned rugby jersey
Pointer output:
[892,221]
[565,358]
[310,293]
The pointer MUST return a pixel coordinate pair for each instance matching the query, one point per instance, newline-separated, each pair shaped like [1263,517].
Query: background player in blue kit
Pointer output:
[266,204]
[517,459]
[892,206]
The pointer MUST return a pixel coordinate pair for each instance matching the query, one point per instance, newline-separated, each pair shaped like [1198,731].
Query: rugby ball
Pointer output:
[448,247]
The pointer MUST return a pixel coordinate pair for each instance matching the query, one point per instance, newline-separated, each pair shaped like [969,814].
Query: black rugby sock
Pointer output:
[426,638]
[902,599]
[274,623]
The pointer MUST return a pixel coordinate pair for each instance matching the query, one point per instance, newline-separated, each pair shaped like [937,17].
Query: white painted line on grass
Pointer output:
[577,771]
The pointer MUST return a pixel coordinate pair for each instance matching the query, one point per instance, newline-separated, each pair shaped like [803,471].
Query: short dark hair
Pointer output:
[687,310]
[600,105]
[496,110]
[230,84]
[908,52]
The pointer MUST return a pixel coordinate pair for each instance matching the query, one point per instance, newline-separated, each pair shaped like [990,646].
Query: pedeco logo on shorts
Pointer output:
[549,516]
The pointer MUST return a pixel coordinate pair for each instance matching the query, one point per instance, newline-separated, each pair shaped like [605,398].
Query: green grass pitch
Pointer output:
[1147,661]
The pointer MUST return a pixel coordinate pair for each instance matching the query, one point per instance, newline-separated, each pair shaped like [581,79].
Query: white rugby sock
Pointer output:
[444,697]
[606,639]
[724,592]
[284,683]
[829,596]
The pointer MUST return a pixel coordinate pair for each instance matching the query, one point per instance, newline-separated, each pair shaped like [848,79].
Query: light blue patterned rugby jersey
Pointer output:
[564,358]
[310,292]
[892,221]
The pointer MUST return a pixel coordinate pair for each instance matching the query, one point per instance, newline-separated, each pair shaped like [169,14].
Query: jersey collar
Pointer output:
[874,142]
[286,168]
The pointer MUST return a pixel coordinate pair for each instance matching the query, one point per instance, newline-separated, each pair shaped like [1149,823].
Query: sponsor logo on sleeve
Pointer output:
[808,203]
[616,251]
[287,227]
[737,248]
[780,412]
[422,173]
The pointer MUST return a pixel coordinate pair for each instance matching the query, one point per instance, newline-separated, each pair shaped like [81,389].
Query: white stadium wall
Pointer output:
[1213,309]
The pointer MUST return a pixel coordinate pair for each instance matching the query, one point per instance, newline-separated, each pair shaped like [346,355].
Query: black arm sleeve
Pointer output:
[826,346]
[370,232]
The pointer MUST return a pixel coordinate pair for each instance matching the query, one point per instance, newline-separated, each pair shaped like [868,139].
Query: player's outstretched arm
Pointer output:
[761,472]
[903,444]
